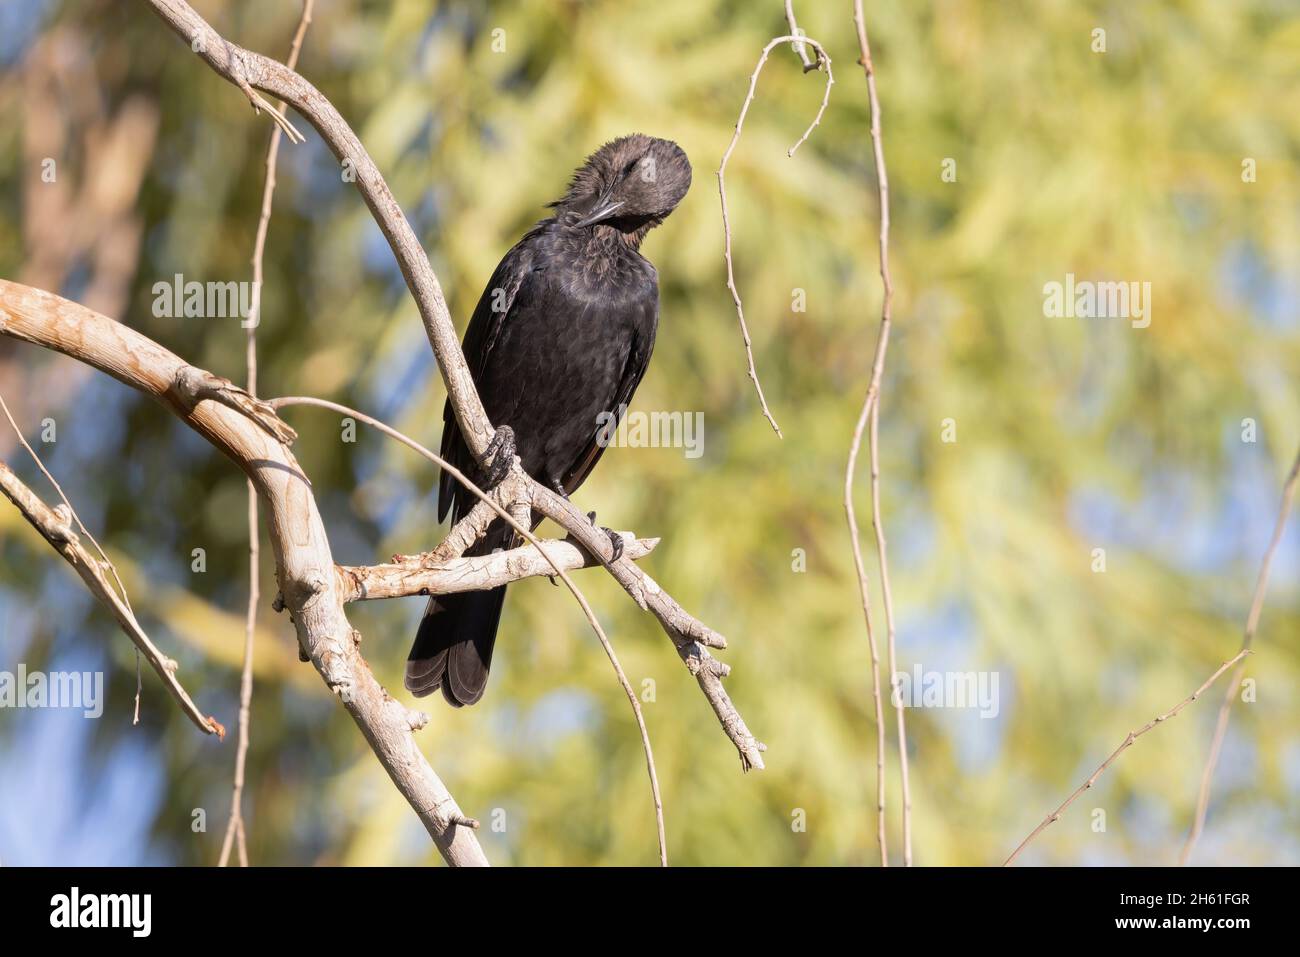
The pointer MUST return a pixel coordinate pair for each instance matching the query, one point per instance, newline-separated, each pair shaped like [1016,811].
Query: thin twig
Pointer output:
[1252,623]
[869,415]
[281,121]
[798,41]
[878,521]
[864,590]
[235,828]
[72,511]
[504,514]
[121,592]
[1127,742]
[55,526]
[809,64]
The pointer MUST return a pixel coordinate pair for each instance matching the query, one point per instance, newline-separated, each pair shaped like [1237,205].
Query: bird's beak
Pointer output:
[602,212]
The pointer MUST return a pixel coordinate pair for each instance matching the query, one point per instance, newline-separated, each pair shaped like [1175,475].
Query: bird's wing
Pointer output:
[490,315]
[644,323]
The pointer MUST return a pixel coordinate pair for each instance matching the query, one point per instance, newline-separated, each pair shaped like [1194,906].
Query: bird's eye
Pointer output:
[627,170]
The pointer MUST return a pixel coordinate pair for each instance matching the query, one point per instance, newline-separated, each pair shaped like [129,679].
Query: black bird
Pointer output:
[557,345]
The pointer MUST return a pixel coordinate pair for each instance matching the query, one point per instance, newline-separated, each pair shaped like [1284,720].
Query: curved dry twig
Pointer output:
[1127,742]
[1248,638]
[798,41]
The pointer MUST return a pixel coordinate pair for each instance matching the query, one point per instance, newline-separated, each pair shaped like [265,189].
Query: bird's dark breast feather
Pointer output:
[571,343]
[489,315]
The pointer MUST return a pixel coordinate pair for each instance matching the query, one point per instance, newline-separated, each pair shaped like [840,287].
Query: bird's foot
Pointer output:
[500,456]
[615,539]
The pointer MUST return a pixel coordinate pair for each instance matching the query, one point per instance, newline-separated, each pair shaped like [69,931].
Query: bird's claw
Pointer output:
[500,456]
[615,539]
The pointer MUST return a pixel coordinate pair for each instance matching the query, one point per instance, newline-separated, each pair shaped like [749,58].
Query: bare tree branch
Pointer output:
[1127,742]
[798,41]
[1234,683]
[869,415]
[421,575]
[305,568]
[55,526]
[468,529]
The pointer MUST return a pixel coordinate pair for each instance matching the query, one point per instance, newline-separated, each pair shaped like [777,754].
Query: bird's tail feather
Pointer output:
[453,646]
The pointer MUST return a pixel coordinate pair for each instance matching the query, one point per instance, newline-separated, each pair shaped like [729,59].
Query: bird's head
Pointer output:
[630,184]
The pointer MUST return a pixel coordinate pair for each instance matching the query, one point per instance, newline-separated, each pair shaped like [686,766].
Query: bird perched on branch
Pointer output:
[557,345]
